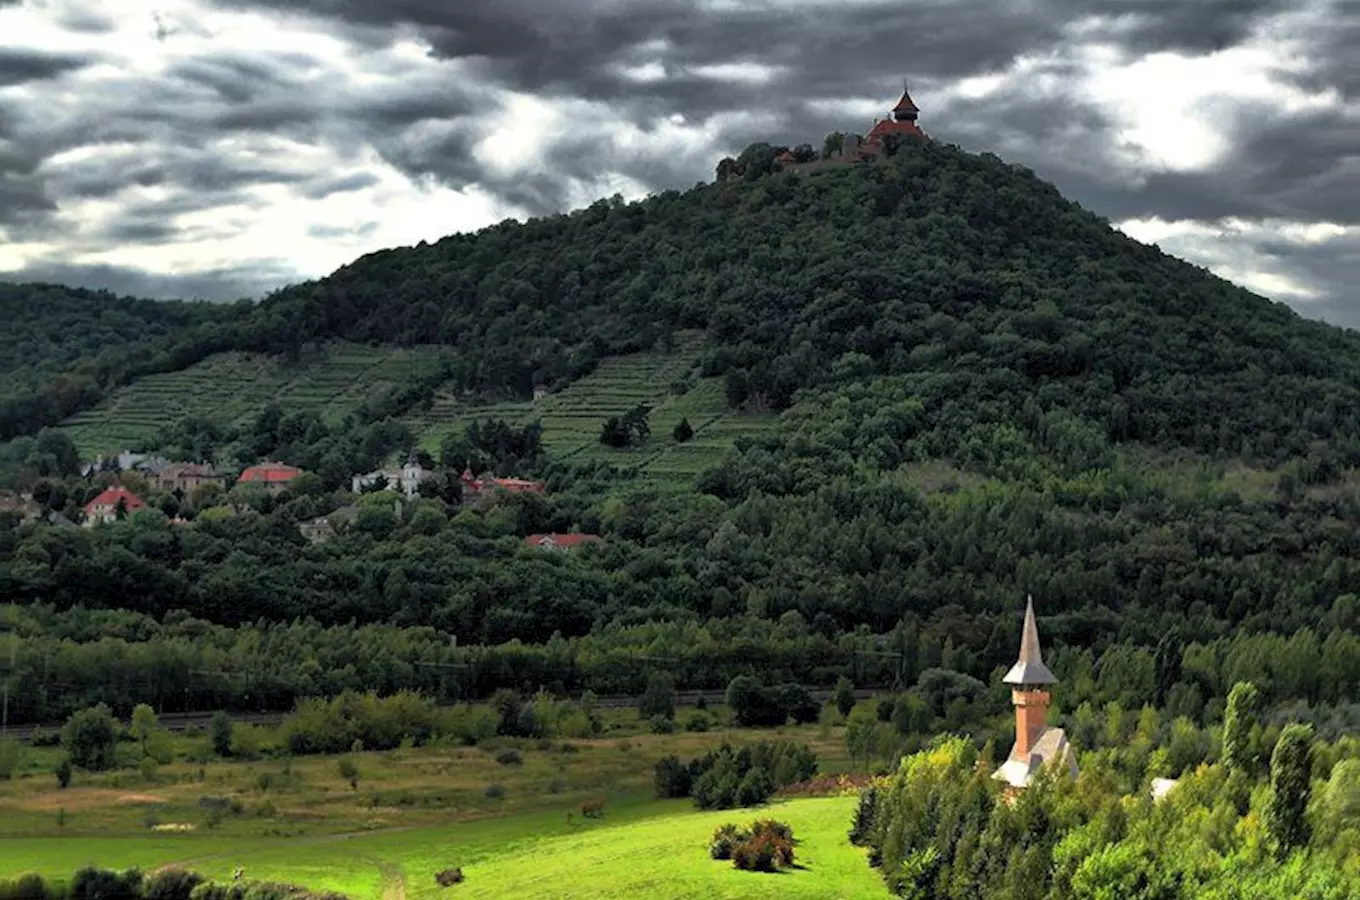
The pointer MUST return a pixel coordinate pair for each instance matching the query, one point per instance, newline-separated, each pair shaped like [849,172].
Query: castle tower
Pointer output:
[906,109]
[1035,742]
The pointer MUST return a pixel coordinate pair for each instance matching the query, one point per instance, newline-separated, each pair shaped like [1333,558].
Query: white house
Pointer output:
[406,479]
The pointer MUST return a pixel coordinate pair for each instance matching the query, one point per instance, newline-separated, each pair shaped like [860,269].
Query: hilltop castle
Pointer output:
[881,141]
[1036,742]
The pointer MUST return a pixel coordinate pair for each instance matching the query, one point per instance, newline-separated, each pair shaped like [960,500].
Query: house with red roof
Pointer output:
[485,487]
[272,476]
[562,542]
[107,506]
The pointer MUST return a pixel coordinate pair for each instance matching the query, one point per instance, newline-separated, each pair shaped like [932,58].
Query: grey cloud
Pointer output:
[219,285]
[315,190]
[19,65]
[327,232]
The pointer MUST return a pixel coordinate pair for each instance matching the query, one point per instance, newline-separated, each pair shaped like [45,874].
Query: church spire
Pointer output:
[906,109]
[1029,668]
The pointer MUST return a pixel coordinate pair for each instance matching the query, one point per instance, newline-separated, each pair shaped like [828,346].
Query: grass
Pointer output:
[640,849]
[419,810]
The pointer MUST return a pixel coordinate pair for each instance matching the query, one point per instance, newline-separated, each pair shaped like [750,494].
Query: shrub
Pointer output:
[104,884]
[25,887]
[495,792]
[593,809]
[725,839]
[509,756]
[449,877]
[865,814]
[11,755]
[755,788]
[64,774]
[221,733]
[698,721]
[766,847]
[672,778]
[661,725]
[90,738]
[170,884]
[349,772]
[659,697]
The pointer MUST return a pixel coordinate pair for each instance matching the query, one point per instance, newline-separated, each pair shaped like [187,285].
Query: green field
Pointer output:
[641,849]
[337,378]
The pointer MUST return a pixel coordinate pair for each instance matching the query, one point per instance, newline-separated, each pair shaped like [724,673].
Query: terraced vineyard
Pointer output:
[572,417]
[233,386]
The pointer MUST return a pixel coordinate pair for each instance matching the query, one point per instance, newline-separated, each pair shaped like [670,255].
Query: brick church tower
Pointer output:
[1035,742]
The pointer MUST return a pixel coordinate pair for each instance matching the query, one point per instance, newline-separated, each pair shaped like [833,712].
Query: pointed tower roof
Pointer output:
[1029,668]
[906,104]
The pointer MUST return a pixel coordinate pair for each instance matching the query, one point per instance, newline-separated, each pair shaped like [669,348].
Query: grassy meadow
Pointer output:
[513,826]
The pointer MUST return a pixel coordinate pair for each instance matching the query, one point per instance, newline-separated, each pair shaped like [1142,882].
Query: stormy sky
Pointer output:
[221,148]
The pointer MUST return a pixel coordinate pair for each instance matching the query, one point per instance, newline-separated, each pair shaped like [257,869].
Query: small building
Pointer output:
[563,542]
[272,476]
[406,479]
[23,504]
[184,477]
[107,506]
[484,487]
[323,528]
[1036,743]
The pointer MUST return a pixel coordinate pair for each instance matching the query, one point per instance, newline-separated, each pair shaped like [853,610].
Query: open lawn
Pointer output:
[640,849]
[415,811]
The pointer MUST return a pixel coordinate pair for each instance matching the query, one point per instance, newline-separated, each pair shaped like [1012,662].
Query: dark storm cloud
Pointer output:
[223,285]
[19,65]
[325,187]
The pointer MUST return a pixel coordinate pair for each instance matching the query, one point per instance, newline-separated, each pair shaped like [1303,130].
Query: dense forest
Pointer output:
[986,392]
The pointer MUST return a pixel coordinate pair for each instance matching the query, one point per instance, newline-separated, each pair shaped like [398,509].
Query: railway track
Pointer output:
[185,721]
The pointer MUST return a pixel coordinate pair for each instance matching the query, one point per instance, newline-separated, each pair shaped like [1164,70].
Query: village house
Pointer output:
[561,542]
[1036,742]
[23,504]
[323,528]
[106,507]
[184,477]
[483,487]
[272,476]
[406,479]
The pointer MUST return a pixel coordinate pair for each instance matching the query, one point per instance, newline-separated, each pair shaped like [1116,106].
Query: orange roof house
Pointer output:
[483,484]
[104,508]
[273,476]
[901,124]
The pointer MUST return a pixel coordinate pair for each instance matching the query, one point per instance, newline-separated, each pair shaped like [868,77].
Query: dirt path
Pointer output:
[394,883]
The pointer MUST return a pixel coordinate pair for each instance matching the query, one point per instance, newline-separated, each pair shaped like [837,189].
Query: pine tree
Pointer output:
[865,814]
[1244,703]
[1291,768]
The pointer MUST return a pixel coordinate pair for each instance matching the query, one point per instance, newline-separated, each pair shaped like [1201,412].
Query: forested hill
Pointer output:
[970,282]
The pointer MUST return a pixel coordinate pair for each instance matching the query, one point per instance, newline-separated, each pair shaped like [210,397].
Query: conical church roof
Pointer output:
[1029,668]
[906,104]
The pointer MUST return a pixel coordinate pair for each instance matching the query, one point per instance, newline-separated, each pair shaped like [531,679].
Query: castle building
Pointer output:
[1036,742]
[901,123]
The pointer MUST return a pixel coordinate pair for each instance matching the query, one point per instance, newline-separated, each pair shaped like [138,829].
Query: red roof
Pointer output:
[270,472]
[561,540]
[906,104]
[885,127]
[111,496]
[513,485]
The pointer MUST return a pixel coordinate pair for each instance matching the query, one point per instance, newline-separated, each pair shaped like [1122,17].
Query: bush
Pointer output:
[90,738]
[659,697]
[11,755]
[593,809]
[63,773]
[221,733]
[170,884]
[349,772]
[25,887]
[672,778]
[698,721]
[449,877]
[766,846]
[509,756]
[103,884]
[755,788]
[865,815]
[725,839]
[661,725]
[495,792]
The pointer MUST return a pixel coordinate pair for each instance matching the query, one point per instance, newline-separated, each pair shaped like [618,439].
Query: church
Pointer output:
[1036,742]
